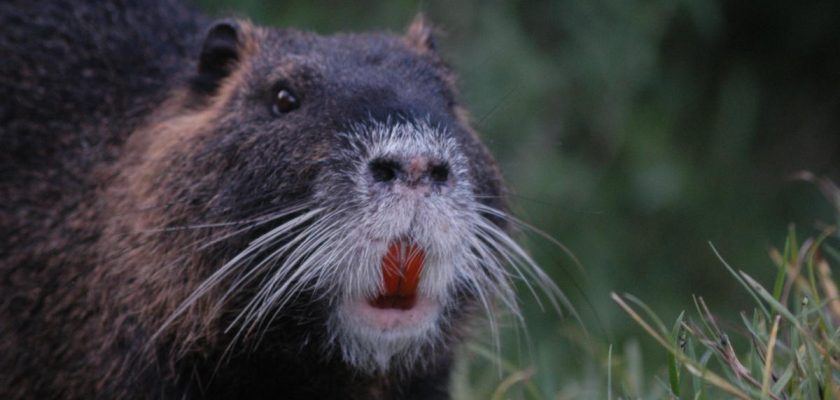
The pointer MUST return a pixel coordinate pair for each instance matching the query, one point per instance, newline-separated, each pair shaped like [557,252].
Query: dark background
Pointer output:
[635,132]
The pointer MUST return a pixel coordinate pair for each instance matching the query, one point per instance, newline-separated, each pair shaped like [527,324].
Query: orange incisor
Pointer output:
[401,268]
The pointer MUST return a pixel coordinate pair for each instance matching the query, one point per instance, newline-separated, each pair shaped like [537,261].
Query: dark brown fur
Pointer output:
[110,146]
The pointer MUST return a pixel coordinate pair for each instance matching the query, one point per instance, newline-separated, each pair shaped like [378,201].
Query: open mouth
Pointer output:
[401,268]
[400,305]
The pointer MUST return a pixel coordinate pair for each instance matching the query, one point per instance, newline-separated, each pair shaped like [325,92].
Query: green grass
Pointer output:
[785,346]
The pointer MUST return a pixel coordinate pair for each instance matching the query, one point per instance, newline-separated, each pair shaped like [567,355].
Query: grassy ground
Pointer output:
[786,344]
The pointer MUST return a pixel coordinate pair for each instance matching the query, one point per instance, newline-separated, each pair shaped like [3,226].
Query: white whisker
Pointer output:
[230,266]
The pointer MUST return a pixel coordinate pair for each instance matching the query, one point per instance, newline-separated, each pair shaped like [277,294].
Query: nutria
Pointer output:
[211,209]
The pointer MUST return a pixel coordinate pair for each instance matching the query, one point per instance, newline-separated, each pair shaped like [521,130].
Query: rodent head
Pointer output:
[328,184]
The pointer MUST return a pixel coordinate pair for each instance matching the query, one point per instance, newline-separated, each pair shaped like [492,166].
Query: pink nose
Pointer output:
[417,167]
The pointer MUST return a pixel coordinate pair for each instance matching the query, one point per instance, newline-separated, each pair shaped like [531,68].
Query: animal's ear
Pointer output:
[420,34]
[223,49]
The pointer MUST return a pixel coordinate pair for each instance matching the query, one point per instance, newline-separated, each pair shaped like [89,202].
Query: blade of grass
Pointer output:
[609,373]
[506,365]
[673,367]
[783,380]
[740,280]
[812,254]
[829,288]
[639,303]
[768,364]
[762,293]
[783,265]
[514,378]
[690,365]
[790,317]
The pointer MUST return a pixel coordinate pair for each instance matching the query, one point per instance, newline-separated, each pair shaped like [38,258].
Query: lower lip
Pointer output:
[394,302]
[371,313]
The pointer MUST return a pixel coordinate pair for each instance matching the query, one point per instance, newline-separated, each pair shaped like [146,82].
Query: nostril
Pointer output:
[384,170]
[439,173]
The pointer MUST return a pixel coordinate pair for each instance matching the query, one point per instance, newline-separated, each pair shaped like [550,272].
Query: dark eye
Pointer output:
[284,102]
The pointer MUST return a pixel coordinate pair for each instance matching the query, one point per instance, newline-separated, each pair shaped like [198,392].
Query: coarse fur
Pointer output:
[167,233]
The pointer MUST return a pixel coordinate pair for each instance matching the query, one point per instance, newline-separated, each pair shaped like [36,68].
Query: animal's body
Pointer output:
[199,209]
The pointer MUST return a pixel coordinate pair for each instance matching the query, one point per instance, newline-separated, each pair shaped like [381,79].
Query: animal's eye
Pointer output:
[285,101]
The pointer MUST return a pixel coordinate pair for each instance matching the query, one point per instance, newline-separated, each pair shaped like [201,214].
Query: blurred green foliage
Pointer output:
[635,132]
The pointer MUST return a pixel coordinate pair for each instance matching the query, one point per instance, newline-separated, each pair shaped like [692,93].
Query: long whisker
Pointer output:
[308,240]
[515,253]
[266,298]
[486,243]
[526,226]
[254,314]
[271,259]
[312,272]
[222,273]
[264,241]
[530,228]
[268,216]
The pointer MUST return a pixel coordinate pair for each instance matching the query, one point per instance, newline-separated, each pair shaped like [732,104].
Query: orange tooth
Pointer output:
[401,268]
[414,258]
[391,268]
